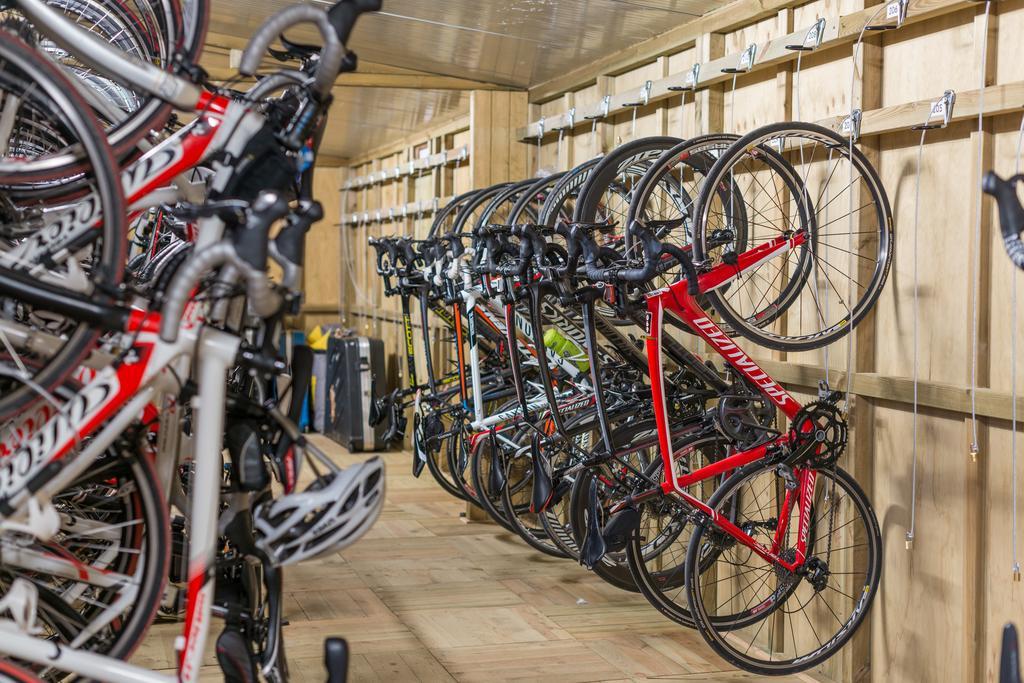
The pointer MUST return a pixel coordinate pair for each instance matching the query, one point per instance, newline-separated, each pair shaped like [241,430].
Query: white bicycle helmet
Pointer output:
[330,514]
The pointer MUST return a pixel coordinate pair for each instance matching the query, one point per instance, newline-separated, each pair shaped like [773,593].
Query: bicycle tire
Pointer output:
[107,269]
[722,634]
[760,142]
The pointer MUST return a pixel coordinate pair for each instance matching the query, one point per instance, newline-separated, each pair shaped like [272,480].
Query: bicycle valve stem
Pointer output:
[974,451]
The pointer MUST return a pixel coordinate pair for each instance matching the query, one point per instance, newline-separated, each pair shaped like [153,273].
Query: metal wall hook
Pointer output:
[645,96]
[745,62]
[690,79]
[894,11]
[941,109]
[812,41]
[603,108]
[540,130]
[850,127]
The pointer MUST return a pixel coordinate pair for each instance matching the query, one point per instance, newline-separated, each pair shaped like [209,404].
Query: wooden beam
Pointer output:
[839,30]
[726,18]
[952,398]
[999,99]
[455,123]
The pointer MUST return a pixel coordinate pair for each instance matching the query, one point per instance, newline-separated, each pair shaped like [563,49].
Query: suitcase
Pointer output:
[355,379]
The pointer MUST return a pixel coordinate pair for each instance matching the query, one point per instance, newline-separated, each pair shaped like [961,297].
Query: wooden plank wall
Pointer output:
[944,600]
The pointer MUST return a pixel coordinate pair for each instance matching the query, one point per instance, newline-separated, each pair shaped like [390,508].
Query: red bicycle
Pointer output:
[779,566]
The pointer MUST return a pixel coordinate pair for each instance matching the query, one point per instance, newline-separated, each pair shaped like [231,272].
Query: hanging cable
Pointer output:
[976,283]
[914,337]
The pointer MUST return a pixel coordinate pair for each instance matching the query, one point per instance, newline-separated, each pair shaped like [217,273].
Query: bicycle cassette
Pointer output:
[819,435]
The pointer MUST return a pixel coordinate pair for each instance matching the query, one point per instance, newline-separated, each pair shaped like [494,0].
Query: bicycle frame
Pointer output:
[221,125]
[676,300]
[46,462]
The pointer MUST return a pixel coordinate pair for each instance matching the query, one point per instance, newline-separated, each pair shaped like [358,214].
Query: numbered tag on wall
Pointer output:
[850,126]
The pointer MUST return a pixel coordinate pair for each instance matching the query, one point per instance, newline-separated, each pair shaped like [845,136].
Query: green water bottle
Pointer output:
[566,348]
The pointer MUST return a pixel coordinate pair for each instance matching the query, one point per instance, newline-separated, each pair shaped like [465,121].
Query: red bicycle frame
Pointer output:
[677,300]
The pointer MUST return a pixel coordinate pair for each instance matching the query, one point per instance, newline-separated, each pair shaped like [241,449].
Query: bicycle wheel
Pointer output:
[796,186]
[160,32]
[762,617]
[597,489]
[100,579]
[9,673]
[606,195]
[530,203]
[560,202]
[78,245]
[426,446]
[666,196]
[657,555]
[548,531]
[490,469]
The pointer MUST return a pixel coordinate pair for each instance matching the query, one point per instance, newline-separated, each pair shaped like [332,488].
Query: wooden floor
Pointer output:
[429,596]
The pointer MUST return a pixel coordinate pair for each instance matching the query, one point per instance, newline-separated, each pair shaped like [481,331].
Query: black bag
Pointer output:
[355,379]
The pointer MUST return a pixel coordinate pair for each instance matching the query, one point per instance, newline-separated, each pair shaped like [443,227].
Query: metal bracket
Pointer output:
[391,214]
[894,11]
[942,109]
[645,96]
[850,127]
[571,117]
[540,129]
[689,80]
[812,41]
[463,153]
[606,103]
[398,172]
[746,61]
[379,217]
[412,167]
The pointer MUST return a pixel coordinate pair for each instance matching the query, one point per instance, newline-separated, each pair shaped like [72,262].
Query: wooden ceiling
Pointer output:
[418,58]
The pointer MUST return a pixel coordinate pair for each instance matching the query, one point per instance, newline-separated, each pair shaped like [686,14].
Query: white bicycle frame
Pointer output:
[98,402]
